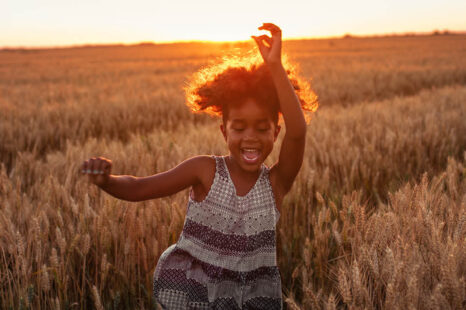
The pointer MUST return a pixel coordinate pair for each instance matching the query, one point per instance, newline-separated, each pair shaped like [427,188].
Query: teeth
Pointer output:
[250,155]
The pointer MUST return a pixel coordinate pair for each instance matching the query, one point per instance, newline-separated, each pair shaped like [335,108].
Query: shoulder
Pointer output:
[200,165]
[193,170]
[205,167]
[199,160]
[202,162]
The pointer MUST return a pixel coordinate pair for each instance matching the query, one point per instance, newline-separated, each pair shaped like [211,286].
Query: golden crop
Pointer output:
[375,219]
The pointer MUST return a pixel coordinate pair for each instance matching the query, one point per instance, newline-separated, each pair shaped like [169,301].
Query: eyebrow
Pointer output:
[235,121]
[264,120]
[238,120]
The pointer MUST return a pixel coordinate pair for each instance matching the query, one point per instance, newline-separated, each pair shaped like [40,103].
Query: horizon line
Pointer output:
[166,42]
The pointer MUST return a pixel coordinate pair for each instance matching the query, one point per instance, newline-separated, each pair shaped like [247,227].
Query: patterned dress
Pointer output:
[225,257]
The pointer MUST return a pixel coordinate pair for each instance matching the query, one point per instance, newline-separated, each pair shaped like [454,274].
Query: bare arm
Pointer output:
[132,188]
[292,149]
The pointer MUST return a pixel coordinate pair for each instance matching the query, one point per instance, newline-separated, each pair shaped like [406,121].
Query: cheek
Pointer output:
[233,138]
[272,135]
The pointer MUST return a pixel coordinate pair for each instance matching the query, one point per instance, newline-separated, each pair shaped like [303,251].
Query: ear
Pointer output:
[224,131]
[277,131]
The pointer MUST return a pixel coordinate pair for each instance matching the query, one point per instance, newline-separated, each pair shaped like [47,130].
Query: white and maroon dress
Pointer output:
[225,257]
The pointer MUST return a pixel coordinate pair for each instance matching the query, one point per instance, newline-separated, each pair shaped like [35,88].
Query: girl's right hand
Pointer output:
[270,47]
[98,170]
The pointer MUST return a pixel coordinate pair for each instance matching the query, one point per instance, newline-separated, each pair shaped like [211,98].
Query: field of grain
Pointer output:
[375,219]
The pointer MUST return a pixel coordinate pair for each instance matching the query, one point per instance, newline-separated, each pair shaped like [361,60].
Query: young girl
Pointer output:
[225,257]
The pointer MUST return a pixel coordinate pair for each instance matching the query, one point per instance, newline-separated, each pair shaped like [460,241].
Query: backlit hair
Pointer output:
[236,78]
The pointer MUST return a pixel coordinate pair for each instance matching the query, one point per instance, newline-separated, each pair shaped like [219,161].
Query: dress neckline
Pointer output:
[233,184]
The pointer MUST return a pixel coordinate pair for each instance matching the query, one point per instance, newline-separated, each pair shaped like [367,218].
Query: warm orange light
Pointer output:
[249,60]
[49,23]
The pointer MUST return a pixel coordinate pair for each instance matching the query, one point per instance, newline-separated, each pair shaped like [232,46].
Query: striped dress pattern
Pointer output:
[225,257]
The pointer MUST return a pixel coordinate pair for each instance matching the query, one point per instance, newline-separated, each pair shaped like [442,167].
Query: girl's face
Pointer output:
[250,133]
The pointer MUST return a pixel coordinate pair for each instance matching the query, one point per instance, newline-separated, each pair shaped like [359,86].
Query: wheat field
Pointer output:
[375,219]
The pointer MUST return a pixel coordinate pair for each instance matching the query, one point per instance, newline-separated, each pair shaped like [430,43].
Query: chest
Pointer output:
[242,186]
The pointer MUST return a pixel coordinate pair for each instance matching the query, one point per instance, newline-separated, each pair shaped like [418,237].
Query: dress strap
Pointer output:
[221,167]
[266,185]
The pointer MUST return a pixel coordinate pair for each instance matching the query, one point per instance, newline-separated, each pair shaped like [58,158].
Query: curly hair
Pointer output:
[234,79]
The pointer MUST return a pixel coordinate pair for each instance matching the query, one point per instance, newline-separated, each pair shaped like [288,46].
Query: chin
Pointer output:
[251,168]
[251,165]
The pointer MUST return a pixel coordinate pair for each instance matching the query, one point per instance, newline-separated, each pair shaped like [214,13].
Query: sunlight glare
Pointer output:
[56,22]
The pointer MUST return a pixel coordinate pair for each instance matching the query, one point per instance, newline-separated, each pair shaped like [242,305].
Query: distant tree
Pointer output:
[146,43]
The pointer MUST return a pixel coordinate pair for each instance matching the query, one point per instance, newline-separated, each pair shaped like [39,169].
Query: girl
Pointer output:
[225,257]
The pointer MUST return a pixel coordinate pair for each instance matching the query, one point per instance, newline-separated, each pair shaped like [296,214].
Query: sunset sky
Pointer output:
[61,22]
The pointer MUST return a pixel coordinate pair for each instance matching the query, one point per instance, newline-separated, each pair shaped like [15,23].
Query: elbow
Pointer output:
[302,132]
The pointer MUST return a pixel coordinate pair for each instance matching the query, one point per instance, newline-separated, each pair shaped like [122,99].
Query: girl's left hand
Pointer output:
[271,53]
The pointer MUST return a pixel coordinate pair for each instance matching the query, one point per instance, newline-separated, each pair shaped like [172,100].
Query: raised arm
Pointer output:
[130,188]
[291,155]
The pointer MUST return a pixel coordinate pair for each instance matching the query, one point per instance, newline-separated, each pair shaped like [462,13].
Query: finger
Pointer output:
[265,38]
[262,38]
[92,165]
[104,166]
[88,166]
[99,166]
[260,45]
[107,167]
[270,27]
[84,167]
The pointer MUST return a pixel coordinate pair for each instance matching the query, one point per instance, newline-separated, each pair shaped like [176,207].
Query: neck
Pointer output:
[233,167]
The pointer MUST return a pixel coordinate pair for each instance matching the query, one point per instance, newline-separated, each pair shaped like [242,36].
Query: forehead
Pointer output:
[249,110]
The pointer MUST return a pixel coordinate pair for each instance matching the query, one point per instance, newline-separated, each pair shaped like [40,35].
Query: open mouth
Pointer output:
[250,155]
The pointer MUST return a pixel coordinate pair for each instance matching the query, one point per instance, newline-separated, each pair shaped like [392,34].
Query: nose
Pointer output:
[250,135]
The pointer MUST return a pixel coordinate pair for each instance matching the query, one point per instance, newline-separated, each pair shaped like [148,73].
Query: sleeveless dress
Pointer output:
[225,257]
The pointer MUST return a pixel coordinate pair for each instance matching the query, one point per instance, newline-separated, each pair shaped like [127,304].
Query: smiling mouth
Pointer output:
[250,155]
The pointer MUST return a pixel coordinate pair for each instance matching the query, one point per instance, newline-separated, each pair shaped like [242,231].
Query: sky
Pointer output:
[34,23]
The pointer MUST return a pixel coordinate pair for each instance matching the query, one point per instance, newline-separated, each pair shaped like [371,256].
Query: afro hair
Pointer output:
[235,78]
